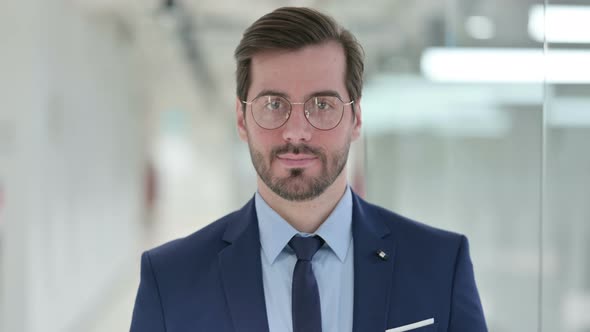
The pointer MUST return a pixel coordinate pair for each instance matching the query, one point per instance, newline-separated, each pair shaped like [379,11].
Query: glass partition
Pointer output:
[566,213]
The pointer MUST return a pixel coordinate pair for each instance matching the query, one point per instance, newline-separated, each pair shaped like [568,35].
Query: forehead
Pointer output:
[300,72]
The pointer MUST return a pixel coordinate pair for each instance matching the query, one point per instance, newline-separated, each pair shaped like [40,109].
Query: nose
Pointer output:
[297,128]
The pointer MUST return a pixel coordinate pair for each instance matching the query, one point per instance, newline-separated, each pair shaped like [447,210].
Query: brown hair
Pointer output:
[292,28]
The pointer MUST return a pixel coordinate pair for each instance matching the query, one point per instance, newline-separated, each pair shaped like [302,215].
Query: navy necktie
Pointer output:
[305,305]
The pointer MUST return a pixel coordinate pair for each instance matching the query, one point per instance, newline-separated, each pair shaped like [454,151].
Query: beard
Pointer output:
[297,185]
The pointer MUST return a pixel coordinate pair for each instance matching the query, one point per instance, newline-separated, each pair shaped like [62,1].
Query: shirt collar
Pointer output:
[276,232]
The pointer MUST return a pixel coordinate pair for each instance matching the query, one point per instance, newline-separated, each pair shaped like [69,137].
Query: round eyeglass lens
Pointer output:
[324,112]
[270,112]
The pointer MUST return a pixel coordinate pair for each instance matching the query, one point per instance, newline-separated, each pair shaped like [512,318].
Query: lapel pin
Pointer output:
[382,254]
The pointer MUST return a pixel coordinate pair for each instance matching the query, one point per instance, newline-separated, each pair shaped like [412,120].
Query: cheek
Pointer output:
[333,139]
[263,140]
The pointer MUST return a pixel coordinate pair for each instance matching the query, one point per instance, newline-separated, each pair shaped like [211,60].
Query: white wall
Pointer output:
[72,163]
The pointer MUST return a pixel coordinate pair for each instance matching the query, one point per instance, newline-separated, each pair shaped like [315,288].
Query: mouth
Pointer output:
[291,160]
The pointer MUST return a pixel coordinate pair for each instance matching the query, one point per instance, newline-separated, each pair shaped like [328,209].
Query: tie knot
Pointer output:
[306,247]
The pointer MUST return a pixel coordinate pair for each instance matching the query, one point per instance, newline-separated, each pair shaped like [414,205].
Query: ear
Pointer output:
[241,120]
[358,119]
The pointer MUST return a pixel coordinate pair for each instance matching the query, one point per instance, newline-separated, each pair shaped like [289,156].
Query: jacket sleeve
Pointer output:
[148,314]
[466,310]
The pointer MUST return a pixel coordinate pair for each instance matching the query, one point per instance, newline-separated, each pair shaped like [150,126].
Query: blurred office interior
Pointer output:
[117,134]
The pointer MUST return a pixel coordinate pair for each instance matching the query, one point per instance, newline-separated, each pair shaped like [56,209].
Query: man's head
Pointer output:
[292,28]
[299,81]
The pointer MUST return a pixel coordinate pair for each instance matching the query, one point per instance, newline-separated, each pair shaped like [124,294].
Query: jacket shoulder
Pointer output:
[407,230]
[203,244]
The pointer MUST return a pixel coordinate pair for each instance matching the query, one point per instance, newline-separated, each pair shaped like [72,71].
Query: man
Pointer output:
[306,253]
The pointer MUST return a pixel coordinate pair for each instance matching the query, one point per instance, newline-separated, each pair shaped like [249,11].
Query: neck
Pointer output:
[306,216]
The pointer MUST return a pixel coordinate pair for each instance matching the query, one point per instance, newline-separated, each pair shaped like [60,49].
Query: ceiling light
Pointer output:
[560,24]
[480,27]
[506,65]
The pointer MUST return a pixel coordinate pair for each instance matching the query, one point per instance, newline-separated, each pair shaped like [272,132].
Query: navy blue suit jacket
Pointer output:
[211,281]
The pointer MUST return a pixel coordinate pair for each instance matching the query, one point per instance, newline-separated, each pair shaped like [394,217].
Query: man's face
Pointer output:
[297,161]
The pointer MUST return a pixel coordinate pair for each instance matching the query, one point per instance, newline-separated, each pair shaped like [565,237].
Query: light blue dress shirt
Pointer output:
[333,266]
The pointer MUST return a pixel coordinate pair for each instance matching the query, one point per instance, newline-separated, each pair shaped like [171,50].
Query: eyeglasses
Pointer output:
[322,112]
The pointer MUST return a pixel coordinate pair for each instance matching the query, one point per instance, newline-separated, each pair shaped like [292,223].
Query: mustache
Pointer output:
[296,149]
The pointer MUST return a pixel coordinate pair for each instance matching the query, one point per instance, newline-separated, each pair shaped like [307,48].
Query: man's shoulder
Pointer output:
[204,243]
[407,230]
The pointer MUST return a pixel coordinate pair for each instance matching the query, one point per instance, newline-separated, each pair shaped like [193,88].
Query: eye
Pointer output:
[274,104]
[323,104]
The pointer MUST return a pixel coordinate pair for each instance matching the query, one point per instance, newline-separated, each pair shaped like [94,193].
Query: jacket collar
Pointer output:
[372,274]
[241,271]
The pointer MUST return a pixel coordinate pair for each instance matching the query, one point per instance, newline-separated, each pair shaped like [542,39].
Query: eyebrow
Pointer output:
[269,92]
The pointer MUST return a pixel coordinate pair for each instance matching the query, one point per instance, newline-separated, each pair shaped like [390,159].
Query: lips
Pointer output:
[296,160]
[299,156]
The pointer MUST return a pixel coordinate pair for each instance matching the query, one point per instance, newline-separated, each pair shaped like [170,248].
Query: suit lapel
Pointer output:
[372,274]
[241,272]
